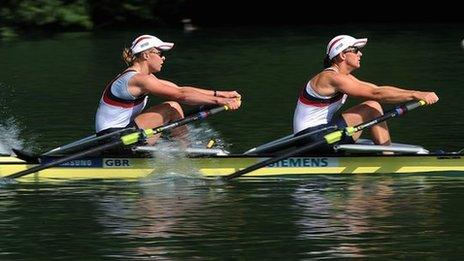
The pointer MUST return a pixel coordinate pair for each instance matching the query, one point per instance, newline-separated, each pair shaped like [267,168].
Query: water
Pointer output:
[49,91]
[325,217]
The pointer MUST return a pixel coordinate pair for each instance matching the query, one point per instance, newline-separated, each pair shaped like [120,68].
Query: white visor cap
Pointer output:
[341,42]
[145,42]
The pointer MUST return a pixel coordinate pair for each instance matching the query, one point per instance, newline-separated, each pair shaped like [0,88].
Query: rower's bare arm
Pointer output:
[428,97]
[229,94]
[172,91]
[231,99]
[233,104]
[223,94]
[386,94]
[185,95]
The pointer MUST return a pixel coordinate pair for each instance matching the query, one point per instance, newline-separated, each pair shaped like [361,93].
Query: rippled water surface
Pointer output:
[389,216]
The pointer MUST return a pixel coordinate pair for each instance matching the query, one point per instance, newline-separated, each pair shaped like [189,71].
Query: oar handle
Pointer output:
[414,105]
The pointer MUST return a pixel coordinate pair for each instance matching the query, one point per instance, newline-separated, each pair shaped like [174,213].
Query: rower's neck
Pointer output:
[140,68]
[339,69]
[332,68]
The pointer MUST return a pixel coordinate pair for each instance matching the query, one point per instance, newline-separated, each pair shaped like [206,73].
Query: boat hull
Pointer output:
[211,167]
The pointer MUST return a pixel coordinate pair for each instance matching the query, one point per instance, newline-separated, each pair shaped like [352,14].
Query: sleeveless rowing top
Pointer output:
[313,109]
[117,107]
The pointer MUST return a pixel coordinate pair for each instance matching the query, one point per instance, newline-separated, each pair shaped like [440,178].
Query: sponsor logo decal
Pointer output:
[116,163]
[77,163]
[304,162]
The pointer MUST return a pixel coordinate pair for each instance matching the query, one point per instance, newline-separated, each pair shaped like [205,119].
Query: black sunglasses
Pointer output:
[158,52]
[352,49]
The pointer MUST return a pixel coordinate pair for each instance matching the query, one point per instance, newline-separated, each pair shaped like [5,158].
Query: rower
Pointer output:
[122,104]
[323,96]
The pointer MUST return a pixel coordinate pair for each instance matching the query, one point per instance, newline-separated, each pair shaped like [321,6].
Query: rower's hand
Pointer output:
[428,97]
[229,94]
[232,103]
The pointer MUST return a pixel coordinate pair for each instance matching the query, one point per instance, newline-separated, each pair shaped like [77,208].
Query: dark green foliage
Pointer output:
[110,12]
[45,14]
[59,15]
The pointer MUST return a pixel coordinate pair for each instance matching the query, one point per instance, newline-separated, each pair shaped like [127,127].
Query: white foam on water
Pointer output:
[9,136]
[9,128]
[171,163]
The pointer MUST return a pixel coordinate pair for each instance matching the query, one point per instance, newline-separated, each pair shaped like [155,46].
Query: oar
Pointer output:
[125,140]
[88,141]
[286,141]
[330,138]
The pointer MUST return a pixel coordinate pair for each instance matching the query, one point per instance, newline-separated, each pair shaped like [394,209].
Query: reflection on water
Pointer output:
[178,217]
[370,216]
[159,216]
[339,210]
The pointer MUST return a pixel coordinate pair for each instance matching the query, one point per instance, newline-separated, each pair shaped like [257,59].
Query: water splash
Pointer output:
[9,136]
[171,162]
[10,128]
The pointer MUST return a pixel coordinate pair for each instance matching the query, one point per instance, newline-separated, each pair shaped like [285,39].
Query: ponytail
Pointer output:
[327,62]
[127,56]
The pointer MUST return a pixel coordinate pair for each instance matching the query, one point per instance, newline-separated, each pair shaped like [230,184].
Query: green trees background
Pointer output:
[26,16]
[17,16]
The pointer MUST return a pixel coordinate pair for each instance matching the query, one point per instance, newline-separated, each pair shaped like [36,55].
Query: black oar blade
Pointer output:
[26,156]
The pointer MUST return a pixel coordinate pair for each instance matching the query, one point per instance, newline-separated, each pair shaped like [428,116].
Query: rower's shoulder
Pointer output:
[322,83]
[143,78]
[326,76]
[335,76]
[334,80]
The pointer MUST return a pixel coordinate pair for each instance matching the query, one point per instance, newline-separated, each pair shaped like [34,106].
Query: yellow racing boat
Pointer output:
[287,156]
[212,163]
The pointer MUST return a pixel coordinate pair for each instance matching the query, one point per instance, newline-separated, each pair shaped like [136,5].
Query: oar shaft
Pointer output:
[273,160]
[135,137]
[93,140]
[128,139]
[194,117]
[397,111]
[86,142]
[330,138]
